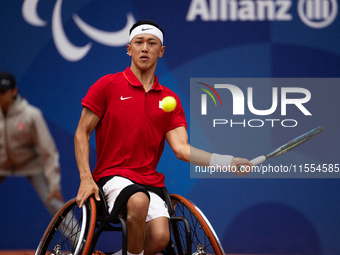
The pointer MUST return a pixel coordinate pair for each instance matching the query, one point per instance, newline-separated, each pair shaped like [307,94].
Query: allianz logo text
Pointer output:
[313,13]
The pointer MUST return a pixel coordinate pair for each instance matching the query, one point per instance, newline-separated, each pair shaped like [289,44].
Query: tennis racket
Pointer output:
[286,147]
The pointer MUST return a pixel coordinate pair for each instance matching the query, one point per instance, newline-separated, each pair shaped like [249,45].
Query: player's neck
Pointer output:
[146,77]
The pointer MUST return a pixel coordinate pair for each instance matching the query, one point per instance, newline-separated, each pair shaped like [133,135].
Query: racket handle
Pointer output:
[258,160]
[255,162]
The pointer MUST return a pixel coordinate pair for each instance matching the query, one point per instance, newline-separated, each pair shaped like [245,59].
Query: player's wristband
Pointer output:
[218,160]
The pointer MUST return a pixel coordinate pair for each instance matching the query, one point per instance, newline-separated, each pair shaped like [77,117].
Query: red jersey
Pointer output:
[130,137]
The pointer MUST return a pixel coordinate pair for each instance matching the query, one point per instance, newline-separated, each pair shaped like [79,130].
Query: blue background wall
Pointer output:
[249,215]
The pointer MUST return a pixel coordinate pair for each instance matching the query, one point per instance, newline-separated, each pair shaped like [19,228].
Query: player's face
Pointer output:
[145,49]
[6,98]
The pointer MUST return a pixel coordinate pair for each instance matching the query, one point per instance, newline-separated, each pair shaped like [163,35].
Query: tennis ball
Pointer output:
[168,104]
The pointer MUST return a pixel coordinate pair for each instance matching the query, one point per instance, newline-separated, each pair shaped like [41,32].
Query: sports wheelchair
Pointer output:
[75,231]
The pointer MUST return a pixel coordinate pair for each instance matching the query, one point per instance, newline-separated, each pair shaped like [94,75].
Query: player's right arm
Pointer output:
[87,123]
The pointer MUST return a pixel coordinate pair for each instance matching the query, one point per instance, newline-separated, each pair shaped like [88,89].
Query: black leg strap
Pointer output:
[123,198]
[120,203]
[161,192]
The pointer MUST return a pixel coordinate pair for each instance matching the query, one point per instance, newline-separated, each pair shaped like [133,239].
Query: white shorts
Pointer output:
[157,206]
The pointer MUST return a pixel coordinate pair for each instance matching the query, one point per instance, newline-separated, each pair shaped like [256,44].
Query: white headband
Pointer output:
[146,29]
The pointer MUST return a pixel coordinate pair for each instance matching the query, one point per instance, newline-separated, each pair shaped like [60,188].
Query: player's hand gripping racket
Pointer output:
[286,147]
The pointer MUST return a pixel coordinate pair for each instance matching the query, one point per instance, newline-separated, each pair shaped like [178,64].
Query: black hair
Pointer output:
[148,22]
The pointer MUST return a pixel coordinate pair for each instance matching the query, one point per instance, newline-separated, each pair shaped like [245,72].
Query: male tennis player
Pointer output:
[131,129]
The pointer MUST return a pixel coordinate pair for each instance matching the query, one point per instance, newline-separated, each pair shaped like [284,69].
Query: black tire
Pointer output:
[203,237]
[70,231]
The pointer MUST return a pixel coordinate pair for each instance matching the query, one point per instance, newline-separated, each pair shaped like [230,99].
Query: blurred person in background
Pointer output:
[26,145]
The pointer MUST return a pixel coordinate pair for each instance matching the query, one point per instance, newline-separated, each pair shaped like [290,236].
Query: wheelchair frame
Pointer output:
[191,232]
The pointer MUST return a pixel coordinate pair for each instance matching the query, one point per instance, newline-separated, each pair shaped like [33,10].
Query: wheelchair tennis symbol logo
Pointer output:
[318,13]
[204,97]
[65,47]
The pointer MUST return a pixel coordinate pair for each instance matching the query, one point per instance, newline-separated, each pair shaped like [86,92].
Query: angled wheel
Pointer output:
[203,237]
[70,231]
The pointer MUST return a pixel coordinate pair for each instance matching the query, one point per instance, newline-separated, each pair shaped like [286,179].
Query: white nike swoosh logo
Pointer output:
[124,98]
[144,29]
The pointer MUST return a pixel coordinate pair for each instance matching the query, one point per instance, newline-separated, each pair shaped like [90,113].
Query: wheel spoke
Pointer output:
[67,229]
[202,240]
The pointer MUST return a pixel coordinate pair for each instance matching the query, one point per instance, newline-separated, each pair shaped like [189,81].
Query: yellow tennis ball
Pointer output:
[169,104]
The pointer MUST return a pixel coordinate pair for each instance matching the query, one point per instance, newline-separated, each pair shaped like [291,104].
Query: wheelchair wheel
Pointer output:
[70,231]
[203,237]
